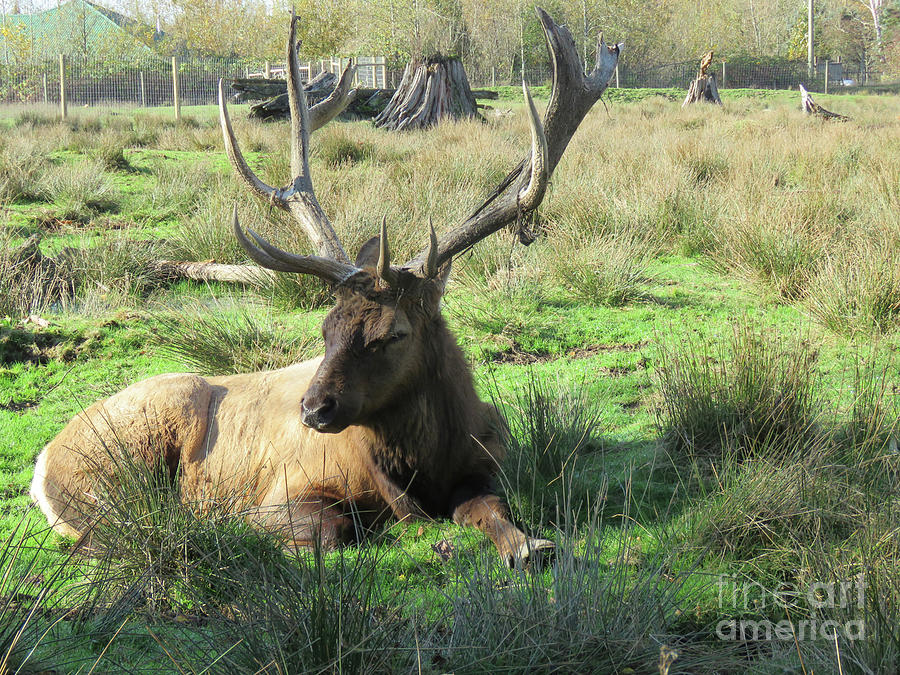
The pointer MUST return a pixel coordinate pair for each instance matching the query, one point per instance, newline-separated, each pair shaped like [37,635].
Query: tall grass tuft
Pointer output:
[780,257]
[322,613]
[225,340]
[184,556]
[264,609]
[553,424]
[609,271]
[27,284]
[763,508]
[22,167]
[600,613]
[337,148]
[117,271]
[857,289]
[44,600]
[80,191]
[757,394]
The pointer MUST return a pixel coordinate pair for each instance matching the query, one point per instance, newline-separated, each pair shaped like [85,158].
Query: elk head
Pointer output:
[377,335]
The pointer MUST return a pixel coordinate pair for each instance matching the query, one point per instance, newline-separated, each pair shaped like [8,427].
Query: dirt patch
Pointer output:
[593,350]
[519,356]
[19,345]
[18,406]
[52,224]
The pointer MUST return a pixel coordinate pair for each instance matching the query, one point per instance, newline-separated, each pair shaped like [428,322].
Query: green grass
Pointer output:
[695,359]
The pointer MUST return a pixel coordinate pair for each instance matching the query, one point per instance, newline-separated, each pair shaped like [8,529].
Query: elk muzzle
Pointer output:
[319,412]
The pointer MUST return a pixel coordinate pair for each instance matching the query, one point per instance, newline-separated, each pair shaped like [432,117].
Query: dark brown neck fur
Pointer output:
[426,435]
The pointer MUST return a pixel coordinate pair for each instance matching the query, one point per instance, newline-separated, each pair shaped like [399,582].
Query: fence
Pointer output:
[150,82]
[729,75]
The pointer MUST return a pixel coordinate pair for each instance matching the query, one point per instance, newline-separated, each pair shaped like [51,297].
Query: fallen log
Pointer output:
[316,90]
[810,107]
[253,275]
[56,272]
[703,88]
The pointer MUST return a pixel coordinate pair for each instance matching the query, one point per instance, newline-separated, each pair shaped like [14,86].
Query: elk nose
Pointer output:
[318,414]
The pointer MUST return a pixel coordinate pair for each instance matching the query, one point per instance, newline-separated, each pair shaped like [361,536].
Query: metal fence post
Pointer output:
[827,63]
[143,91]
[723,74]
[175,92]
[267,70]
[617,76]
[62,86]
[44,77]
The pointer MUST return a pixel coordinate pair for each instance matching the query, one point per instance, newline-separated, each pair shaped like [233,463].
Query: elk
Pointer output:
[387,422]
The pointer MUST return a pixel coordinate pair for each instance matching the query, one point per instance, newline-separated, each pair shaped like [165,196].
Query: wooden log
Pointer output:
[703,88]
[810,107]
[211,271]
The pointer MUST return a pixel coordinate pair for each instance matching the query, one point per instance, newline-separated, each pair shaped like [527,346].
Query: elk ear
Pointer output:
[368,253]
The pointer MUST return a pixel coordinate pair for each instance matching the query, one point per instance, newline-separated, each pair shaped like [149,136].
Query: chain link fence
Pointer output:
[150,82]
[729,75]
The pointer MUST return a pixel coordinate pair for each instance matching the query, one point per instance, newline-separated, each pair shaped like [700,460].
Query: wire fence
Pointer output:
[151,81]
[729,75]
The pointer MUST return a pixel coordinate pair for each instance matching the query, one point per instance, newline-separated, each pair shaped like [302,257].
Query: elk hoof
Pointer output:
[532,553]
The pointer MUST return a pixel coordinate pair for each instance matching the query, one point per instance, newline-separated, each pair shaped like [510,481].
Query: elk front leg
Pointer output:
[475,503]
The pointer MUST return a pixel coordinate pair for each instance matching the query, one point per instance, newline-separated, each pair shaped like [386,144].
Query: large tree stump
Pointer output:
[431,90]
[810,107]
[703,89]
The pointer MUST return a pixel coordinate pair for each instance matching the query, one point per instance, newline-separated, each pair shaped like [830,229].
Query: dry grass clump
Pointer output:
[857,287]
[763,507]
[611,270]
[230,339]
[112,273]
[23,163]
[176,191]
[80,191]
[207,233]
[26,285]
[552,423]
[780,257]
[757,394]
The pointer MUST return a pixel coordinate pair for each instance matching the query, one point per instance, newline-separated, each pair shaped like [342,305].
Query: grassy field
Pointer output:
[697,359]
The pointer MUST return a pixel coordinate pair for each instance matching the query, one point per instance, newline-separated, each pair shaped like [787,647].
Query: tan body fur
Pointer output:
[242,435]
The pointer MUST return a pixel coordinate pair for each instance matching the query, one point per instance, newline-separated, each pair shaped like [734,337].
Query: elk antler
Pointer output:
[522,190]
[297,197]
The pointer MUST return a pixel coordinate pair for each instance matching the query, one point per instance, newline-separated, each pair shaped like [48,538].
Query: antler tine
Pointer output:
[385,273]
[431,258]
[572,96]
[274,258]
[300,127]
[300,199]
[532,194]
[240,165]
[342,96]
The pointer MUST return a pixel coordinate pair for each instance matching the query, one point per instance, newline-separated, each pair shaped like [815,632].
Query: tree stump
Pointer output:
[431,90]
[703,89]
[810,107]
